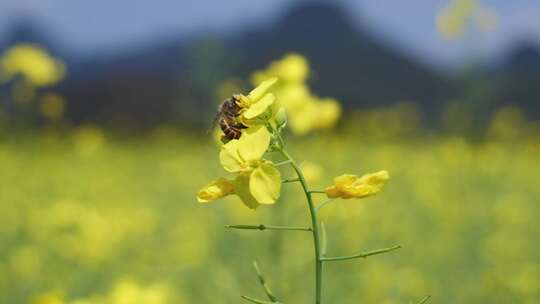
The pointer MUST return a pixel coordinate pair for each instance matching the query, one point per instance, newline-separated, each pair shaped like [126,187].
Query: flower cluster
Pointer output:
[252,126]
[28,68]
[351,186]
[458,14]
[257,181]
[33,63]
[306,112]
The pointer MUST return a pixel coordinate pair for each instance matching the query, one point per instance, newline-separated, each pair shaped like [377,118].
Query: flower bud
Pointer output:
[215,190]
[281,118]
[351,186]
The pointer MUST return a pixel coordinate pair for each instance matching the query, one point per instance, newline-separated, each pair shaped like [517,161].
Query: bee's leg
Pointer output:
[225,139]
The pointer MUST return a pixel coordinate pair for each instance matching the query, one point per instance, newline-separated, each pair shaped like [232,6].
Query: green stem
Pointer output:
[314,225]
[324,240]
[282,163]
[262,280]
[253,300]
[291,180]
[424,300]
[360,255]
[267,227]
[324,204]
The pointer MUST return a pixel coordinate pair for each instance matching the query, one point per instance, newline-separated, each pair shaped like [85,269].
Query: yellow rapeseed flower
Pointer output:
[293,68]
[351,186]
[33,63]
[128,291]
[52,106]
[329,111]
[256,107]
[245,153]
[453,20]
[313,172]
[305,111]
[258,181]
[48,298]
[215,190]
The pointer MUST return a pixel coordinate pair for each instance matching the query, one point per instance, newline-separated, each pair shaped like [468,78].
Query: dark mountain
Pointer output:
[26,29]
[351,65]
[174,80]
[519,79]
[134,89]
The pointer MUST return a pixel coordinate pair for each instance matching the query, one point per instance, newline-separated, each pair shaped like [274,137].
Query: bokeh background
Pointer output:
[106,112]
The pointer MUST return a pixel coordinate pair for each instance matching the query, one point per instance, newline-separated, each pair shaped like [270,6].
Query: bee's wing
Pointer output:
[216,119]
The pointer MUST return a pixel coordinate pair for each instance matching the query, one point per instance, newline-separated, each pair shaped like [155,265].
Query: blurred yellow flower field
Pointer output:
[91,217]
[415,125]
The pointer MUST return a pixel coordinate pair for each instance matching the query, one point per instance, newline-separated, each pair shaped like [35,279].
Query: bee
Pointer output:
[227,117]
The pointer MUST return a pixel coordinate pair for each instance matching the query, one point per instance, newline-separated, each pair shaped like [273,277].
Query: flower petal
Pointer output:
[370,184]
[329,112]
[261,89]
[345,180]
[253,143]
[265,183]
[215,190]
[229,157]
[350,186]
[259,107]
[241,184]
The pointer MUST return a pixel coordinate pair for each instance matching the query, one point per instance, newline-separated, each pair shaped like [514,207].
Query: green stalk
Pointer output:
[267,227]
[360,255]
[315,226]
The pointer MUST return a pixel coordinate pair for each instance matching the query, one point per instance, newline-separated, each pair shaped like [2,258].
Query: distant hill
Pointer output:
[174,80]
[348,64]
[518,79]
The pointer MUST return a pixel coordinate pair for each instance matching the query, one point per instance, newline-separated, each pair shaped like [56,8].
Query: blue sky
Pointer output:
[87,27]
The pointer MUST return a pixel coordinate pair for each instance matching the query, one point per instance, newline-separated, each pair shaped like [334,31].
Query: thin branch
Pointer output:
[316,191]
[269,294]
[265,227]
[360,255]
[285,162]
[292,180]
[253,300]
[324,203]
[314,226]
[424,300]
[324,240]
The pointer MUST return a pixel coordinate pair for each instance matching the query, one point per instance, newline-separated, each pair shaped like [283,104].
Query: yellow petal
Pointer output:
[333,191]
[241,184]
[229,157]
[329,112]
[253,143]
[261,90]
[34,63]
[293,68]
[370,184]
[312,171]
[215,190]
[265,183]
[259,107]
[304,117]
[350,186]
[242,154]
[345,180]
